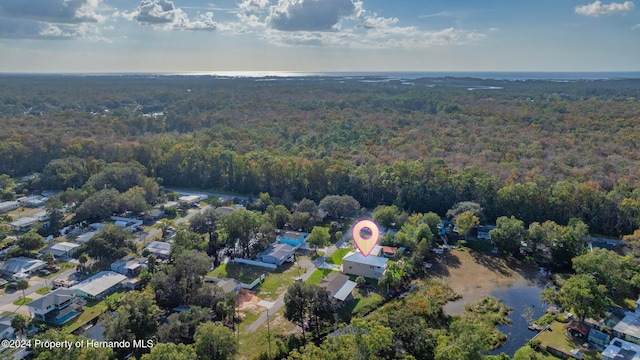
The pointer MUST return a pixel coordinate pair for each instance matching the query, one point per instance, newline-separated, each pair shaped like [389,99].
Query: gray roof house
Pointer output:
[61,249]
[372,267]
[230,285]
[339,287]
[621,350]
[56,307]
[99,285]
[628,328]
[6,331]
[159,249]
[129,267]
[278,254]
[22,265]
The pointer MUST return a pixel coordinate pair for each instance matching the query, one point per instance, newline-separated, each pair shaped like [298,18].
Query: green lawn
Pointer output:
[43,291]
[558,339]
[92,310]
[252,344]
[362,304]
[318,275]
[22,301]
[275,283]
[336,257]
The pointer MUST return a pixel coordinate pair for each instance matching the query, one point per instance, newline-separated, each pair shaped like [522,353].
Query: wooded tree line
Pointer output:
[536,150]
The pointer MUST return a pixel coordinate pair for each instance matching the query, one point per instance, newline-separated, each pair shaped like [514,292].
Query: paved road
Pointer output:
[37,283]
[311,266]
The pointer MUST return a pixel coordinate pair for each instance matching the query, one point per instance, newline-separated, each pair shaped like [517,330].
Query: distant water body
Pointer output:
[509,76]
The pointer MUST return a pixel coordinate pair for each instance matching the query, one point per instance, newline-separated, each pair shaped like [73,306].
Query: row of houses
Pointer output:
[63,304]
[28,201]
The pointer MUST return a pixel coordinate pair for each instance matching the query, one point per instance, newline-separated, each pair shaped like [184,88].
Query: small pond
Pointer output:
[524,298]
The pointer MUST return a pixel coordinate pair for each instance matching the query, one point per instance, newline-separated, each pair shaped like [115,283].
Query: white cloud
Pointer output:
[600,9]
[163,14]
[635,27]
[311,15]
[476,35]
[52,11]
[51,19]
[493,29]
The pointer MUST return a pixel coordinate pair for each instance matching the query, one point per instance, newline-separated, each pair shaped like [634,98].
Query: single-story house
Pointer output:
[578,329]
[230,285]
[389,251]
[8,206]
[293,238]
[22,265]
[83,238]
[42,216]
[154,215]
[628,328]
[278,254]
[368,266]
[99,285]
[129,267]
[23,224]
[483,232]
[159,249]
[599,338]
[619,349]
[56,307]
[32,201]
[6,331]
[339,287]
[61,249]
[192,199]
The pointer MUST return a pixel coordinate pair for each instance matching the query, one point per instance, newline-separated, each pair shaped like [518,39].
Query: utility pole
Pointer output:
[268,332]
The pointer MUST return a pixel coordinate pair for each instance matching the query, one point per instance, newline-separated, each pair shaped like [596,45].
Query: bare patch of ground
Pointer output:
[247,300]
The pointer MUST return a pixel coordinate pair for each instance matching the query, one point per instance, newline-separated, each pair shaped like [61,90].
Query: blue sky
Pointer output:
[318,35]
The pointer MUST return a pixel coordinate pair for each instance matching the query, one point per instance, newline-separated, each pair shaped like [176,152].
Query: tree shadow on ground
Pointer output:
[441,264]
[496,263]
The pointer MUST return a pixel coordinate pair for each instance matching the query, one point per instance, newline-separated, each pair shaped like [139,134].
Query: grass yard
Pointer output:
[22,301]
[252,344]
[557,339]
[318,275]
[275,283]
[43,291]
[336,257]
[362,304]
[92,310]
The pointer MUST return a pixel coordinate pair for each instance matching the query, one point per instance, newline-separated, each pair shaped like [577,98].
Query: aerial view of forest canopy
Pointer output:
[537,150]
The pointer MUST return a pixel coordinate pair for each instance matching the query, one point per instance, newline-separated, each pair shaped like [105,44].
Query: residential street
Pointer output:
[311,266]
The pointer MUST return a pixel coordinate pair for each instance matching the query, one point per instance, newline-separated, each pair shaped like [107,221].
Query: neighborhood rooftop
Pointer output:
[53,298]
[22,265]
[367,260]
[630,325]
[99,283]
[338,285]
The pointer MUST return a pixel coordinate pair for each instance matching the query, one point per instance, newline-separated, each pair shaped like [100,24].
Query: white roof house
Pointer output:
[99,285]
[22,265]
[190,199]
[620,349]
[8,206]
[61,249]
[159,249]
[367,266]
[23,224]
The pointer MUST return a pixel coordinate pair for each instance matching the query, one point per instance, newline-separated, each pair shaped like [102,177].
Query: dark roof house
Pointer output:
[339,286]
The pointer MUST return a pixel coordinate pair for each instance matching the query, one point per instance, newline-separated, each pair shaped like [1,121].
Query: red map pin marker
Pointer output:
[365,245]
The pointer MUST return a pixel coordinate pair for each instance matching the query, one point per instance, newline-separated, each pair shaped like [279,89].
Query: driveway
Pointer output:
[311,267]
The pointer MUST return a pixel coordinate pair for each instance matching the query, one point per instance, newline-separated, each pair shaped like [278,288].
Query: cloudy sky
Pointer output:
[318,35]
